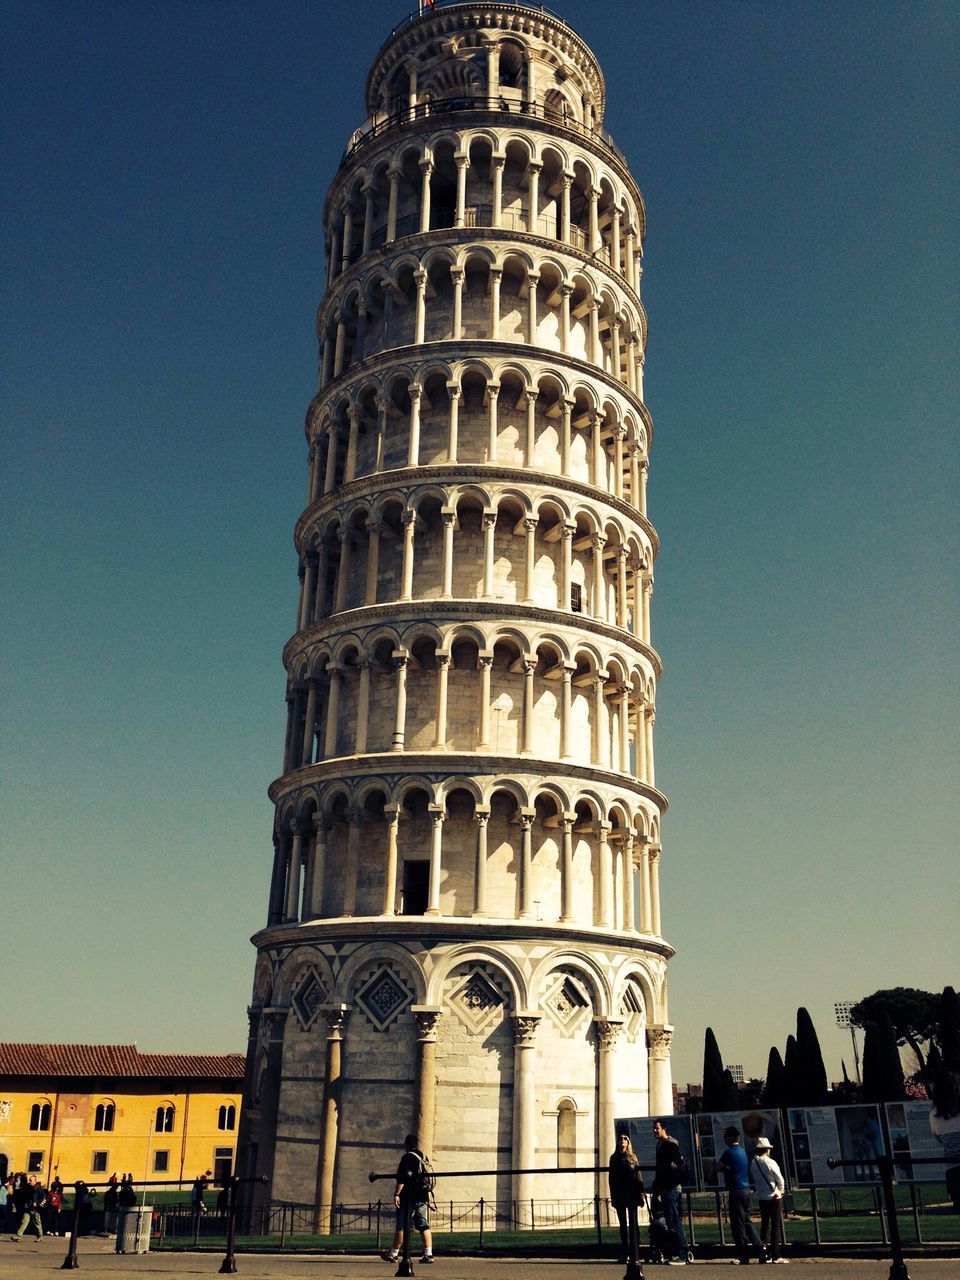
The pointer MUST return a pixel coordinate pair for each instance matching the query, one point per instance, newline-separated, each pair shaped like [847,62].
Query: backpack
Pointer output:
[424,1181]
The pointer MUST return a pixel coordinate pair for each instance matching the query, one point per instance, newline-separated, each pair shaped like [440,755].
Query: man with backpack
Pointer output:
[415,1183]
[671,1170]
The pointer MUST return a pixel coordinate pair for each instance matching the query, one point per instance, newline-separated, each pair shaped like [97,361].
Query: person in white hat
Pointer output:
[769,1185]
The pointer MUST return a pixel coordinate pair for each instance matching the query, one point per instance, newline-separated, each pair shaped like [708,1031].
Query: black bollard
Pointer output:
[70,1262]
[229,1264]
[898,1267]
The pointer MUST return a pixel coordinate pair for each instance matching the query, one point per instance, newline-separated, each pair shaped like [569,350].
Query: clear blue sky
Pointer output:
[165,167]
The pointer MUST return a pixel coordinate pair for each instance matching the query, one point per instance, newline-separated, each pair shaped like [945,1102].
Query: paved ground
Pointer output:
[97,1261]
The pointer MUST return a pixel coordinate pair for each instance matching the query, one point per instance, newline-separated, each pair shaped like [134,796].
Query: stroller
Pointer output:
[661,1238]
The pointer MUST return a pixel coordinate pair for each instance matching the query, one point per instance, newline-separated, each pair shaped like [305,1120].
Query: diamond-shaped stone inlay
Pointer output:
[309,999]
[477,1001]
[566,1002]
[383,998]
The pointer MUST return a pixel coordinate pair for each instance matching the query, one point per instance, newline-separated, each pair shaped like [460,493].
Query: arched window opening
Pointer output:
[567,1135]
[103,1117]
[164,1120]
[40,1117]
[227,1116]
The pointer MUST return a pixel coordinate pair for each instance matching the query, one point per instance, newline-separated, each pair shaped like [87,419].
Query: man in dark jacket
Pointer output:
[666,1190]
[30,1198]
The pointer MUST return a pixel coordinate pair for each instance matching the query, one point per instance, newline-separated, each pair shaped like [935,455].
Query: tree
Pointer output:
[914,1016]
[773,1089]
[882,1068]
[719,1090]
[791,1075]
[811,1074]
[950,1029]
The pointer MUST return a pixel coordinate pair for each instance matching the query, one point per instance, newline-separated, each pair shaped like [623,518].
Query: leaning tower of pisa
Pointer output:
[463,934]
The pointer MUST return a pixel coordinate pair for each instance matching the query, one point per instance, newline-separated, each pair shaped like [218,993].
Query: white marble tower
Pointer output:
[464,933]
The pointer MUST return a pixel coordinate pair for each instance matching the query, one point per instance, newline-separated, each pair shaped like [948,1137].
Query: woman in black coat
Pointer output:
[626,1191]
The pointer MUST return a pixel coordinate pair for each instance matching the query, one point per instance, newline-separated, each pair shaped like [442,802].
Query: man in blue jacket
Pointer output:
[736,1176]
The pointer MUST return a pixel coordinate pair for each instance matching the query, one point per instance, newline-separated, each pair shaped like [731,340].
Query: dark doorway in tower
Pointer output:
[416,885]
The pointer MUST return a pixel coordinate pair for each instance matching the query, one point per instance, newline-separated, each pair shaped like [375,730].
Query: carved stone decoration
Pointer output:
[477,1002]
[608,1031]
[384,997]
[566,1003]
[428,1023]
[658,1042]
[308,999]
[525,1029]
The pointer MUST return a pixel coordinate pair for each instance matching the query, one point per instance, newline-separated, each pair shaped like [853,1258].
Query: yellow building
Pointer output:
[89,1110]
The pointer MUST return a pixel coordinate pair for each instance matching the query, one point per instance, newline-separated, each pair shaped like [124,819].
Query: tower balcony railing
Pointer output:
[376,126]
[442,4]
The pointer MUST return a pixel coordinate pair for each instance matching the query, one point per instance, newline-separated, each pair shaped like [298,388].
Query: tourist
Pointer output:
[411,1196]
[945,1127]
[769,1185]
[626,1193]
[30,1198]
[667,1181]
[733,1166]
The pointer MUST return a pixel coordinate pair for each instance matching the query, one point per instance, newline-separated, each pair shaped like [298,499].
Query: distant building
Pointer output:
[736,1070]
[88,1110]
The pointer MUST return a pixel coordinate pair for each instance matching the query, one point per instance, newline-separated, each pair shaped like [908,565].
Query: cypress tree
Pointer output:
[791,1080]
[950,1029]
[812,1075]
[882,1068]
[773,1088]
[714,1087]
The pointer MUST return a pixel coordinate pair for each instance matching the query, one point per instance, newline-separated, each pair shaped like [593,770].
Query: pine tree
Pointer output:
[773,1089]
[882,1068]
[812,1075]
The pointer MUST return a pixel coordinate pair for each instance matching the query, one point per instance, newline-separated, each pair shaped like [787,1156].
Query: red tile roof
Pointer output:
[118,1060]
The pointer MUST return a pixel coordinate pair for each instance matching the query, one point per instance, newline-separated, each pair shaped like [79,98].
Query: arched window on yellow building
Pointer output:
[40,1117]
[227,1116]
[103,1117]
[164,1118]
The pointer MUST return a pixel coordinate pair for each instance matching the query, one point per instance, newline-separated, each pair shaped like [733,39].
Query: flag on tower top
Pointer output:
[426,4]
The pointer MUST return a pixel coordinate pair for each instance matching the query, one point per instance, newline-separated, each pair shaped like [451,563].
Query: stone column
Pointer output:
[533,194]
[394,176]
[480,869]
[526,862]
[524,1103]
[532,322]
[343,571]
[277,902]
[400,716]
[453,439]
[419,325]
[496,164]
[655,890]
[488,522]
[457,276]
[566,180]
[567,413]
[566,709]
[607,1030]
[566,566]
[449,519]
[565,291]
[595,241]
[615,366]
[413,450]
[443,672]
[634,453]
[532,82]
[292,911]
[485,662]
[391,813]
[531,436]
[629,895]
[319,871]
[599,611]
[368,194]
[598,456]
[658,1070]
[495,276]
[424,1120]
[336,1016]
[644,469]
[382,406]
[334,673]
[645,916]
[493,390]
[493,71]
[647,593]
[623,692]
[567,912]
[650,719]
[615,240]
[347,238]
[352,869]
[339,350]
[309,586]
[605,861]
[530,530]
[373,560]
[409,520]
[463,163]
[622,587]
[631,261]
[350,466]
[529,667]
[437,815]
[426,167]
[309,724]
[363,707]
[412,95]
